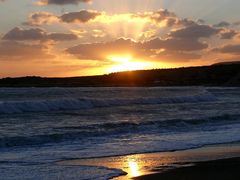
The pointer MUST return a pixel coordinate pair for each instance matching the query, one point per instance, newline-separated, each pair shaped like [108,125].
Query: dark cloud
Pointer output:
[160,16]
[62,2]
[201,21]
[186,22]
[228,34]
[236,23]
[185,39]
[97,51]
[19,34]
[222,24]
[62,36]
[35,34]
[39,18]
[150,50]
[183,43]
[229,49]
[195,31]
[175,44]
[180,44]
[166,17]
[19,51]
[82,16]
[177,56]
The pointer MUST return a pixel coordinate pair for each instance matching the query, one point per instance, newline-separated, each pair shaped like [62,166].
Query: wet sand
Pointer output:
[227,169]
[178,165]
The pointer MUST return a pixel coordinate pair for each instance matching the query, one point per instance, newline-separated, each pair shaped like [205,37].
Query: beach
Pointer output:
[215,161]
[90,133]
[119,90]
[226,169]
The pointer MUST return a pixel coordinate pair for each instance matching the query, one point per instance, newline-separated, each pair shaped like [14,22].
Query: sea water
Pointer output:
[42,126]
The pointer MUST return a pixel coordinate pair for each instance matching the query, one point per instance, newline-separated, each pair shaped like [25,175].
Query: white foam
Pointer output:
[9,107]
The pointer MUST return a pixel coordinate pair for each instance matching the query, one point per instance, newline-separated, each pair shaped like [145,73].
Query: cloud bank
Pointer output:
[61,2]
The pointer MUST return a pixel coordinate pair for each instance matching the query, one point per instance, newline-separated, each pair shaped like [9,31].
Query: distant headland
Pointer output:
[221,74]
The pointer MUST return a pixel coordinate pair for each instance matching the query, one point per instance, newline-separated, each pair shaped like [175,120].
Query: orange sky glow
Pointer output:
[78,38]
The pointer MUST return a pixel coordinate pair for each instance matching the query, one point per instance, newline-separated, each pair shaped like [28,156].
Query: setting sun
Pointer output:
[126,63]
[120,59]
[110,89]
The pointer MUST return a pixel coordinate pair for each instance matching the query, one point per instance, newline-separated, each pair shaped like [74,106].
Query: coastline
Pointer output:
[222,75]
[223,169]
[172,165]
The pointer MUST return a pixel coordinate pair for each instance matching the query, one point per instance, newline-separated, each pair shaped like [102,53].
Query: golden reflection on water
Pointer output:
[142,164]
[134,170]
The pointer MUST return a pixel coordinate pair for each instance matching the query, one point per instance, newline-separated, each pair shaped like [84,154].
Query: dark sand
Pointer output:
[174,165]
[227,169]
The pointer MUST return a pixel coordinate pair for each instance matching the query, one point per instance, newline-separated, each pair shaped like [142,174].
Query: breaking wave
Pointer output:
[69,133]
[10,107]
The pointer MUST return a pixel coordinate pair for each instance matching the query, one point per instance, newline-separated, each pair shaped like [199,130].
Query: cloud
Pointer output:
[180,44]
[162,16]
[228,34]
[98,51]
[174,44]
[40,18]
[159,34]
[37,34]
[81,16]
[139,26]
[165,18]
[18,51]
[150,50]
[177,56]
[222,24]
[20,34]
[201,21]
[237,23]
[229,49]
[61,36]
[97,33]
[195,31]
[185,39]
[186,22]
[61,2]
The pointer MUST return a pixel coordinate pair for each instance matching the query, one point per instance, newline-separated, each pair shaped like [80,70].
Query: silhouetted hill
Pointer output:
[224,63]
[217,75]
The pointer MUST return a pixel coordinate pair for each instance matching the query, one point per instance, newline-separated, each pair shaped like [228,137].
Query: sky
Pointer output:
[62,38]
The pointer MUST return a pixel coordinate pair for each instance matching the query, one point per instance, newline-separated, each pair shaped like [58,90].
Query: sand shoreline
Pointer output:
[224,169]
[142,166]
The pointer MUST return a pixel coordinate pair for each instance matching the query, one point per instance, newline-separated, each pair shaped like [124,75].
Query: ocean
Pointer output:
[42,126]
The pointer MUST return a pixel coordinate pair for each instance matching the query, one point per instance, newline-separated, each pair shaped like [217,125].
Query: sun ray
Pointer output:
[126,63]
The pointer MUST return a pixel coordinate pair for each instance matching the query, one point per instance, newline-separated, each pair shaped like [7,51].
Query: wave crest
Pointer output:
[11,107]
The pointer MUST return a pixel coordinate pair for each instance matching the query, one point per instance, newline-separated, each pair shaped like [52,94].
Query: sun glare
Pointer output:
[134,168]
[120,59]
[126,63]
